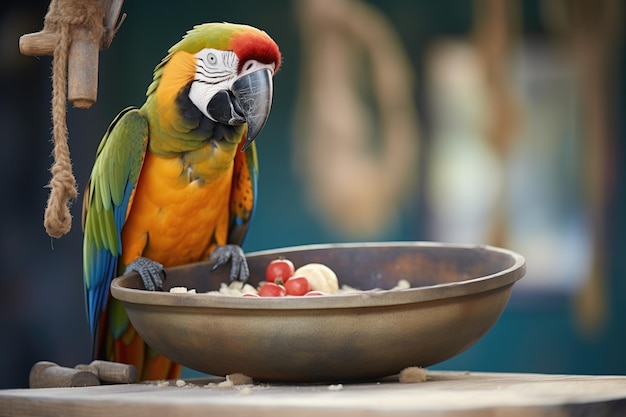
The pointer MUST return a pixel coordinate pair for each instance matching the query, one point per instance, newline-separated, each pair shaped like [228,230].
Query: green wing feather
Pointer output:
[107,200]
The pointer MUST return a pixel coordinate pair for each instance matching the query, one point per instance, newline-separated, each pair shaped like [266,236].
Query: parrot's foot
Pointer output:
[239,266]
[151,273]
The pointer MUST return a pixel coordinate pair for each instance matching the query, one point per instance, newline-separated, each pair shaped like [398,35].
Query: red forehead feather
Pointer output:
[255,45]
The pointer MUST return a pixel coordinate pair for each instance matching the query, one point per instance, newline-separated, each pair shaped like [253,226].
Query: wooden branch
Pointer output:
[39,43]
[82,69]
[49,375]
[112,14]
[111,372]
[82,65]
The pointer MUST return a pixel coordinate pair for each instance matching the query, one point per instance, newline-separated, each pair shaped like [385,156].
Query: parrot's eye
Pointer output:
[211,59]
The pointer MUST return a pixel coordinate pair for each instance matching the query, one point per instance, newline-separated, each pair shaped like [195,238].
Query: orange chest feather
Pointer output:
[179,211]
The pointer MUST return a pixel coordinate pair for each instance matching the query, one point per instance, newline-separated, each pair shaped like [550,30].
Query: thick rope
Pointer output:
[57,217]
[62,17]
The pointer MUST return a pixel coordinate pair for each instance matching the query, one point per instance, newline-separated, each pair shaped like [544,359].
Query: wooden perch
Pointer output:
[111,372]
[50,375]
[46,374]
[82,61]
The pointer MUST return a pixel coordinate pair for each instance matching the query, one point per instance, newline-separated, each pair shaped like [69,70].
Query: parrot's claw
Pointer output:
[151,273]
[234,254]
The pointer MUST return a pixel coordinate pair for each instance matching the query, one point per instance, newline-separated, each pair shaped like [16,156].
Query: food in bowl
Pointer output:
[282,279]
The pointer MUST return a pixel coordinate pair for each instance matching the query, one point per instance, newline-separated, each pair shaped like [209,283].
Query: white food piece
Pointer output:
[412,375]
[239,379]
[403,284]
[235,288]
[320,277]
[183,290]
[227,384]
[346,289]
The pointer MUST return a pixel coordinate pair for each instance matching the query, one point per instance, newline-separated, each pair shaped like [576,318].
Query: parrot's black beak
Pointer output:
[253,93]
[248,101]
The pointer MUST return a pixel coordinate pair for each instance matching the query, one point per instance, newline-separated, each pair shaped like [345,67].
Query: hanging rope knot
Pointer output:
[57,217]
[76,21]
[74,32]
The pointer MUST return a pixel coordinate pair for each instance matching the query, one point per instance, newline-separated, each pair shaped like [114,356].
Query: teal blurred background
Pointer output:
[566,316]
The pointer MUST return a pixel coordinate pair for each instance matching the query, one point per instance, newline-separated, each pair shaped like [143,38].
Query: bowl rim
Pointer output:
[365,299]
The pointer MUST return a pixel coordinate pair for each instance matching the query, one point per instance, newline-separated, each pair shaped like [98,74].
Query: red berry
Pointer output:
[269,289]
[297,286]
[279,269]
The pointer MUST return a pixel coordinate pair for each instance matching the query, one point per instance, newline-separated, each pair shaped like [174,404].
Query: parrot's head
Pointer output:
[224,71]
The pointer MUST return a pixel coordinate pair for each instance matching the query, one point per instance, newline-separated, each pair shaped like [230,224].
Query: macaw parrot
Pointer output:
[174,181]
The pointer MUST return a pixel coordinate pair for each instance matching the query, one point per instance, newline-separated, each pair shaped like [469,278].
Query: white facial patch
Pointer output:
[215,71]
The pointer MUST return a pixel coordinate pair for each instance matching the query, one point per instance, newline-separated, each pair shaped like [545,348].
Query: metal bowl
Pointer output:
[458,292]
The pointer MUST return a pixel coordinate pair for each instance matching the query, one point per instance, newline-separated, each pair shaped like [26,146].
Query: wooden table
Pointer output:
[443,394]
